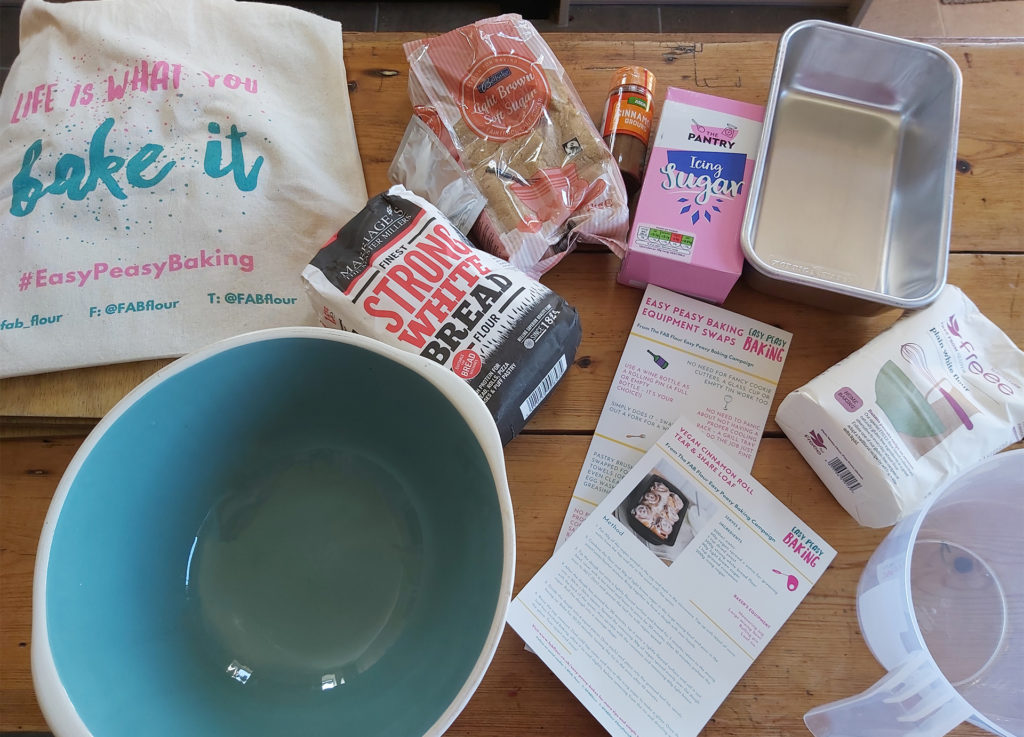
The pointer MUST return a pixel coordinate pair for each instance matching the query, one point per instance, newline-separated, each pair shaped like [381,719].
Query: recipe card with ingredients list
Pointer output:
[657,605]
[683,358]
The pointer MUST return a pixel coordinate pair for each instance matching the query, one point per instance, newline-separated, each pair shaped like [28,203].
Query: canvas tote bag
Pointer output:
[167,168]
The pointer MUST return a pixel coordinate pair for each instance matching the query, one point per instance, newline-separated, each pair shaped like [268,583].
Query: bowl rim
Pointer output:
[54,701]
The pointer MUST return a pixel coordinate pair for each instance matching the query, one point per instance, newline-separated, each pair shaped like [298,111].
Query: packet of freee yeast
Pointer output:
[686,232]
[940,390]
[399,271]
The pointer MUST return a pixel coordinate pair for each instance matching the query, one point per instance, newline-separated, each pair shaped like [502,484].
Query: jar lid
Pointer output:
[634,75]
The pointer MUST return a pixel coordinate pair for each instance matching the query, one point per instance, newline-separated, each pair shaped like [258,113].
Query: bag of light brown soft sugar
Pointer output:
[500,101]
[937,392]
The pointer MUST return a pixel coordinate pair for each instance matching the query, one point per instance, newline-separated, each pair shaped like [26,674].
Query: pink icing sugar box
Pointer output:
[686,231]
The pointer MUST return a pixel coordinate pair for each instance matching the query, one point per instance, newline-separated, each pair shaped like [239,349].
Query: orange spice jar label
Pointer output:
[629,111]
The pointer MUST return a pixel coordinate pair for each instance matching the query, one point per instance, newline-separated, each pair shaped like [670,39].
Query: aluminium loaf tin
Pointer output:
[852,193]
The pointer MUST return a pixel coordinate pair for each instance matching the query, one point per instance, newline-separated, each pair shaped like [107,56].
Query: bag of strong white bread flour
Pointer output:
[166,169]
[400,272]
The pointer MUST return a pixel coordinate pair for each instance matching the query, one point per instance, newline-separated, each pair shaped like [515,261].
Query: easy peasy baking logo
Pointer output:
[76,174]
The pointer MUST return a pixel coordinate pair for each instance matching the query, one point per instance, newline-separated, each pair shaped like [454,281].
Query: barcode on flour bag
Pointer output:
[546,385]
[845,475]
[400,272]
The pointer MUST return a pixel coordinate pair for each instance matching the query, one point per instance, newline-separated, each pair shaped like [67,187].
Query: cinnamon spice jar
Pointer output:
[627,121]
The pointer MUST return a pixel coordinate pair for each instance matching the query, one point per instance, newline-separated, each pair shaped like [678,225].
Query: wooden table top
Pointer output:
[819,655]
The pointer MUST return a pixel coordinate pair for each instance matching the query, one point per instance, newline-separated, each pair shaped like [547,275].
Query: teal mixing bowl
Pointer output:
[295,532]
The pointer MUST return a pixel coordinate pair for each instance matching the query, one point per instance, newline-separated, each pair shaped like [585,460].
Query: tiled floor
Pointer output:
[431,17]
[934,19]
[8,35]
[625,18]
[914,18]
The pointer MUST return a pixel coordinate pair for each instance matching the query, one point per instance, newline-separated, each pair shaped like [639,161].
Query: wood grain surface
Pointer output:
[987,216]
[819,655]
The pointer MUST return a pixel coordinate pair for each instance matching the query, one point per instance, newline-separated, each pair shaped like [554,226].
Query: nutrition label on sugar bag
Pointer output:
[683,358]
[663,240]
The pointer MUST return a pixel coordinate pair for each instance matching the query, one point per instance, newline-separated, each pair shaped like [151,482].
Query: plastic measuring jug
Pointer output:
[941,607]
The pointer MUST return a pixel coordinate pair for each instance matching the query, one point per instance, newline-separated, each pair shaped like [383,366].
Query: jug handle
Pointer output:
[914,699]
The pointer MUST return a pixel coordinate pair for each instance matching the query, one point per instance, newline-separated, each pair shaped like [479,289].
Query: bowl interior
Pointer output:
[292,536]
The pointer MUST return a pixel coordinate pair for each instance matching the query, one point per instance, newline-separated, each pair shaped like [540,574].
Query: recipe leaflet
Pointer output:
[683,358]
[650,637]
